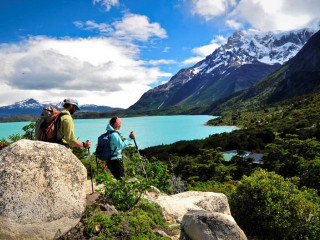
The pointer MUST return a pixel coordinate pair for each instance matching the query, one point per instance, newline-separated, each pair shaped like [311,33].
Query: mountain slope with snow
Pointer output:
[298,77]
[244,60]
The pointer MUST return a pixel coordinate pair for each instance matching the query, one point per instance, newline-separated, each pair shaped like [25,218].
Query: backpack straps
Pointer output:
[57,126]
[110,132]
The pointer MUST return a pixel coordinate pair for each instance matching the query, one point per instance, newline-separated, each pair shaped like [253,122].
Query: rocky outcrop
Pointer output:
[203,215]
[201,225]
[42,190]
[176,206]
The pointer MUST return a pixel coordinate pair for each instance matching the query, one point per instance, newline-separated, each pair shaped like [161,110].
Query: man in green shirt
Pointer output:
[66,129]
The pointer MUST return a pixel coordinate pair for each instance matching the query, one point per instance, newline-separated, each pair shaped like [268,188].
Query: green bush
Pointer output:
[124,193]
[208,165]
[104,227]
[271,207]
[135,224]
[140,175]
[291,157]
[212,186]
[159,175]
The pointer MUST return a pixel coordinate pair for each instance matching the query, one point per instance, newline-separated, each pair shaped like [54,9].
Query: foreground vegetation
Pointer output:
[278,199]
[282,200]
[136,218]
[135,224]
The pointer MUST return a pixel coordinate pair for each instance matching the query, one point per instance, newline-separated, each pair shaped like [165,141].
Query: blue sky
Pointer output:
[109,52]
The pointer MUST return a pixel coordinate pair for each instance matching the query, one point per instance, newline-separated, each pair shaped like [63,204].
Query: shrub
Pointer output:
[104,227]
[212,186]
[208,165]
[267,205]
[291,157]
[135,224]
[124,193]
[3,143]
[159,175]
[140,174]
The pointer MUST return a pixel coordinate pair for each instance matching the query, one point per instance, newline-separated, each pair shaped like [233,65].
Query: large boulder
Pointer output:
[203,215]
[42,190]
[176,206]
[202,225]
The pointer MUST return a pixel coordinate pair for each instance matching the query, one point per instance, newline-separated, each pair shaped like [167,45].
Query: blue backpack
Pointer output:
[103,150]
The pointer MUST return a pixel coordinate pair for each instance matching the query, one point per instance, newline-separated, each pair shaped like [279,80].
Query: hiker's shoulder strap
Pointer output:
[57,126]
[112,131]
[58,119]
[62,114]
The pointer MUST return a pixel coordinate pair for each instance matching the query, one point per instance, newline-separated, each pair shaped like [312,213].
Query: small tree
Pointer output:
[208,165]
[272,207]
[29,131]
[291,157]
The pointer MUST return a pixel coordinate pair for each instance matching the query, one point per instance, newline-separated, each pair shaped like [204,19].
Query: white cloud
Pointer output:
[234,24]
[131,27]
[272,15]
[265,15]
[101,70]
[92,25]
[107,3]
[135,26]
[192,60]
[210,9]
[166,49]
[208,49]
[162,61]
[205,50]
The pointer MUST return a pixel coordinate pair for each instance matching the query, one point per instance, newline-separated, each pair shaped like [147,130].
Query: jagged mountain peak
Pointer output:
[266,47]
[27,103]
[299,76]
[30,101]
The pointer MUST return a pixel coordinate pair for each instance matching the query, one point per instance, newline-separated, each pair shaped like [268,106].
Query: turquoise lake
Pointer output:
[150,131]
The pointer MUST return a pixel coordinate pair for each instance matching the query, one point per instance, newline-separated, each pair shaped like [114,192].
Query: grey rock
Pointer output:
[204,225]
[42,190]
[160,232]
[178,205]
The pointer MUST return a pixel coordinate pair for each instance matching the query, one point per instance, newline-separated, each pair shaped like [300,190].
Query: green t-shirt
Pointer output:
[66,130]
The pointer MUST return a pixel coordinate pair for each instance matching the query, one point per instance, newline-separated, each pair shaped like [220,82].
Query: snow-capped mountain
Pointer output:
[246,58]
[297,77]
[33,107]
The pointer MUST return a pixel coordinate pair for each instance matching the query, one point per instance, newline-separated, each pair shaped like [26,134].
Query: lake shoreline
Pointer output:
[233,127]
[150,130]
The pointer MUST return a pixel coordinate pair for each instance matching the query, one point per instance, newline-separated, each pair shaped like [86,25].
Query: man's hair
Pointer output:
[113,121]
[66,105]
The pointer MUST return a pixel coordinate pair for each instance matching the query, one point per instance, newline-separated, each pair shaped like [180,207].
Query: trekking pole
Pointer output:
[135,143]
[97,165]
[90,168]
